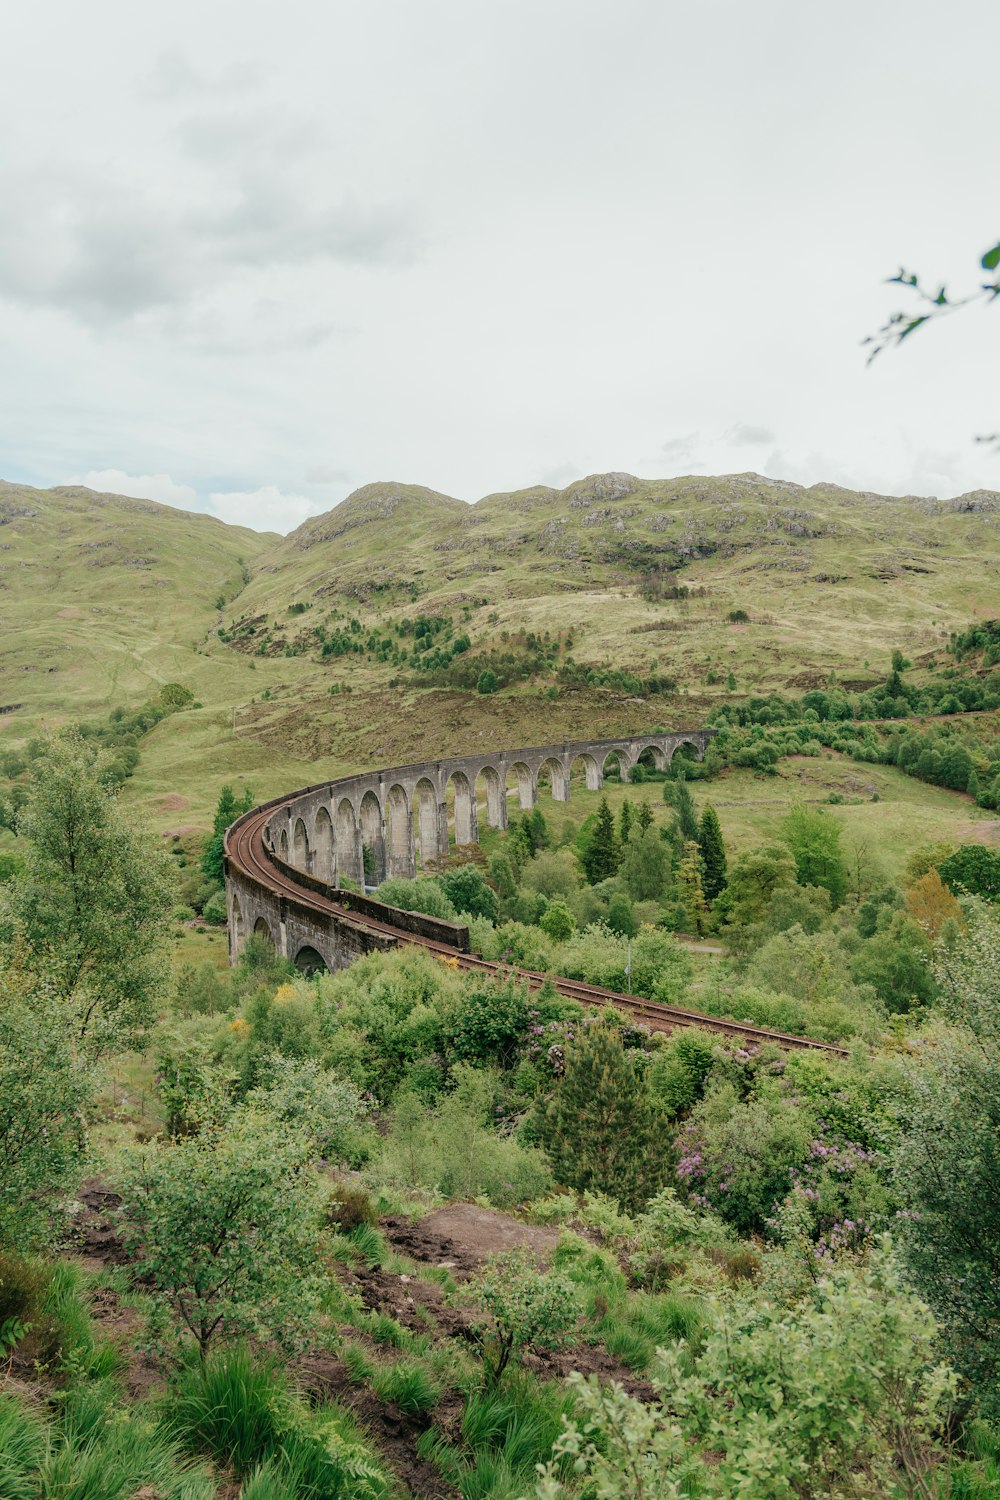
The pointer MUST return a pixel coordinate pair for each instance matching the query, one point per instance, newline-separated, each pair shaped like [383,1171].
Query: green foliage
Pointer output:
[840,1392]
[228,809]
[557,921]
[599,1127]
[973,869]
[947,1166]
[242,1413]
[44,1090]
[489,1024]
[221,1225]
[814,840]
[516,1308]
[601,856]
[678,1071]
[713,854]
[310,1098]
[91,908]
[424,895]
[755,877]
[450,1147]
[690,888]
[739,1155]
[621,916]
[468,892]
[645,865]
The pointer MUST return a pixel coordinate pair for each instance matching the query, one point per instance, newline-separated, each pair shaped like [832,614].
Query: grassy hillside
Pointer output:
[102,598]
[589,595]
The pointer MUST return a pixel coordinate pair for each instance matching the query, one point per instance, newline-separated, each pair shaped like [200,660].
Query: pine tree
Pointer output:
[625,821]
[686,817]
[713,853]
[601,857]
[227,810]
[599,1127]
[644,817]
[690,888]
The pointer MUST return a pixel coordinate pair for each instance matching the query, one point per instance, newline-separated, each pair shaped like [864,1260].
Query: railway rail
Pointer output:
[247,848]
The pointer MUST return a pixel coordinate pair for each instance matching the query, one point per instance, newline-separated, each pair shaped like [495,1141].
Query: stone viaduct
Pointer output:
[391,822]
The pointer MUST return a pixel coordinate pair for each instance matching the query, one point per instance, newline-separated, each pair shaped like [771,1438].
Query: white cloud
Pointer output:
[159,487]
[746,435]
[266,509]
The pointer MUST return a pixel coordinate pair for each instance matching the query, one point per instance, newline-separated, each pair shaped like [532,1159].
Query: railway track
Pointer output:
[247,847]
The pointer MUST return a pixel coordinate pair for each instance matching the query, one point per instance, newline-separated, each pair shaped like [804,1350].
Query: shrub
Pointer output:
[347,1207]
[515,1307]
[214,910]
[423,895]
[44,1089]
[220,1225]
[489,1025]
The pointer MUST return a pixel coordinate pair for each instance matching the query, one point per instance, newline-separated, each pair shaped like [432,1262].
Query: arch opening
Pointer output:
[425,821]
[300,847]
[491,793]
[310,961]
[399,831]
[372,839]
[683,754]
[239,931]
[283,844]
[323,845]
[650,764]
[348,844]
[551,771]
[521,784]
[584,771]
[615,767]
[262,930]
[464,808]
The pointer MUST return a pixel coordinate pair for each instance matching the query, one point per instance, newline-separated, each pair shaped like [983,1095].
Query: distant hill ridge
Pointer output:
[105,597]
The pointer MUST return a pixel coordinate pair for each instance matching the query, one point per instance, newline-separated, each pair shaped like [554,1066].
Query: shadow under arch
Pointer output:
[310,961]
[618,771]
[262,929]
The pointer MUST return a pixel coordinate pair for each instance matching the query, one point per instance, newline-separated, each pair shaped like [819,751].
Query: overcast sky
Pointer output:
[256,254]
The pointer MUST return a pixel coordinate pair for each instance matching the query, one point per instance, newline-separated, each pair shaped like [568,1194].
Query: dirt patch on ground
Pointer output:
[95,1242]
[172,802]
[394,1432]
[979,831]
[462,1235]
[123,1326]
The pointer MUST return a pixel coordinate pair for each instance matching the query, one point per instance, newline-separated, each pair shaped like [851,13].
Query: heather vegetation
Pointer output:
[281,1237]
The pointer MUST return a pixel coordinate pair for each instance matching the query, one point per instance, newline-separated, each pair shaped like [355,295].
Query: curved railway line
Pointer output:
[247,849]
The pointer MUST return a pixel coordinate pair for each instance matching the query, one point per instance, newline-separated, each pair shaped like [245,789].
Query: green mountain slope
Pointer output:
[102,597]
[634,581]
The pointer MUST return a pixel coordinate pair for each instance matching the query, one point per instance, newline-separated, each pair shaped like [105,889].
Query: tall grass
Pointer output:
[243,1414]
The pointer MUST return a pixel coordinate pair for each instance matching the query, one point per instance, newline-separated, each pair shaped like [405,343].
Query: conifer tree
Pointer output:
[625,821]
[600,860]
[644,817]
[228,808]
[713,853]
[690,888]
[684,806]
[599,1126]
